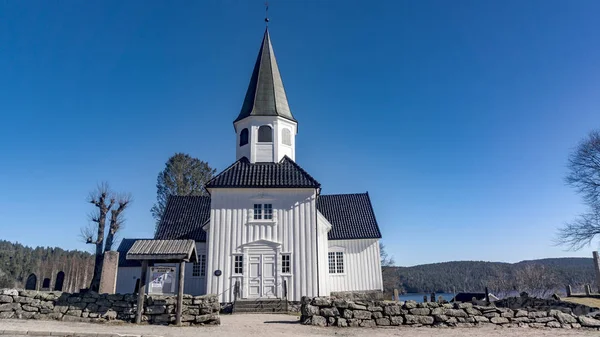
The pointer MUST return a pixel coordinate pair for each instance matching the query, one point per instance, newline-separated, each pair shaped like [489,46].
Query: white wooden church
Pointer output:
[266,223]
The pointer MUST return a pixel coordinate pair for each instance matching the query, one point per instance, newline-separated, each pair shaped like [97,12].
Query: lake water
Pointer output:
[419,297]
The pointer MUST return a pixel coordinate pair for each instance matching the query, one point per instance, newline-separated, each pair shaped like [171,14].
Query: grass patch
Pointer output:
[589,301]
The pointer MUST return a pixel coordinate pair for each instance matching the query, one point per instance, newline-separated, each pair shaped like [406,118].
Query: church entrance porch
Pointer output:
[262,276]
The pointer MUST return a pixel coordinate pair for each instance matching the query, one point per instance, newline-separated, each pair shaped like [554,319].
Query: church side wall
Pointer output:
[126,278]
[232,231]
[362,265]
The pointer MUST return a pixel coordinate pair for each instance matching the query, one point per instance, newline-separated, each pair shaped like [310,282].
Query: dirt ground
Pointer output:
[276,325]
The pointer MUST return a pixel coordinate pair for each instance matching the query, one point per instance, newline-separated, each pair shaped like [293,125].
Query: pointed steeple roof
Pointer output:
[265,95]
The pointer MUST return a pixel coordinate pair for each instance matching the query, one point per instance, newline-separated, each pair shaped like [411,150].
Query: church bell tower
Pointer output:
[265,128]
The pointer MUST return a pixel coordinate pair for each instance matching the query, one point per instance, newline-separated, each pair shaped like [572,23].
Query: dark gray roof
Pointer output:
[166,250]
[265,95]
[242,174]
[123,249]
[183,218]
[351,216]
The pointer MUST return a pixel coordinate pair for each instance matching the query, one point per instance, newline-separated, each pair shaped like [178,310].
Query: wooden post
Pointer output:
[569,290]
[141,293]
[424,298]
[597,268]
[487,296]
[396,298]
[588,290]
[180,292]
[432,297]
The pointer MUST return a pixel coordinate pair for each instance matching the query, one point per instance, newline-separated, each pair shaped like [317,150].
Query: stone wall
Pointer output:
[94,307]
[326,311]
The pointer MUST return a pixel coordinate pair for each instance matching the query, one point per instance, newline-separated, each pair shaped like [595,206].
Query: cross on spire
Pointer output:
[267,13]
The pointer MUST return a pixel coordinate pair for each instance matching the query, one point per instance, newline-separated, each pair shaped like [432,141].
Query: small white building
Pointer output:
[266,227]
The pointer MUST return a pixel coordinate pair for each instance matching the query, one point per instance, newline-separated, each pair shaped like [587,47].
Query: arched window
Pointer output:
[60,279]
[286,136]
[265,134]
[244,137]
[31,283]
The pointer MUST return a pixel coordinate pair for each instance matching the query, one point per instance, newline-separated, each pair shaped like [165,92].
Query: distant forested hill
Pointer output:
[533,276]
[17,262]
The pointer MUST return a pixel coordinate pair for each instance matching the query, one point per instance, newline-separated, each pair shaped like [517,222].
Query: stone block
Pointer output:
[392,310]
[7,314]
[347,313]
[544,319]
[362,314]
[481,319]
[155,310]
[206,318]
[9,292]
[353,322]
[30,308]
[384,321]
[420,311]
[575,325]
[318,320]
[537,314]
[367,323]
[396,320]
[321,302]
[330,312]
[553,325]
[28,293]
[521,313]
[6,299]
[9,307]
[589,322]
[340,303]
[499,320]
[373,308]
[341,322]
[410,305]
[377,314]
[440,318]
[355,306]
[472,311]
[414,319]
[330,320]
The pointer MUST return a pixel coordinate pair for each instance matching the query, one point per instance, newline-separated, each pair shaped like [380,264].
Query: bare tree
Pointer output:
[103,199]
[116,219]
[386,260]
[538,280]
[584,176]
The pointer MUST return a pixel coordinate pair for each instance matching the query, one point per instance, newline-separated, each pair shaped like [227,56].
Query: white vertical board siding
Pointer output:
[232,230]
[195,285]
[126,278]
[362,266]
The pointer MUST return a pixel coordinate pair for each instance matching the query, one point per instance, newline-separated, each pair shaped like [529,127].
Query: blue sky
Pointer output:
[456,116]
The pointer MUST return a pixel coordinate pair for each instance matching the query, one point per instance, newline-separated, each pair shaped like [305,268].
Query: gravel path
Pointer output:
[275,325]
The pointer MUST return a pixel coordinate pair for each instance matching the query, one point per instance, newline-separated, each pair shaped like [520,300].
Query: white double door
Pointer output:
[262,275]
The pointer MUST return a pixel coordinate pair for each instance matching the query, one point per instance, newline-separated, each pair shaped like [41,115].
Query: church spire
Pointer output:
[265,95]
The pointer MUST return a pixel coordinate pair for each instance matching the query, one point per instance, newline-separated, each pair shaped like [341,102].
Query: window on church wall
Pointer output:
[238,264]
[286,137]
[268,211]
[265,134]
[263,211]
[199,268]
[257,211]
[244,137]
[336,262]
[286,265]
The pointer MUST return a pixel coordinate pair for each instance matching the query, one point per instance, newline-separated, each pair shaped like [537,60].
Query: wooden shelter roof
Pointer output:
[163,250]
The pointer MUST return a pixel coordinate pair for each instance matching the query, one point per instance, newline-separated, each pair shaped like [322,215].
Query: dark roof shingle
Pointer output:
[183,218]
[184,250]
[243,174]
[351,216]
[124,247]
